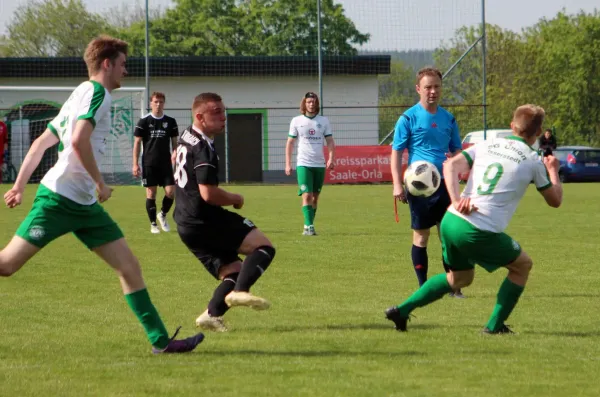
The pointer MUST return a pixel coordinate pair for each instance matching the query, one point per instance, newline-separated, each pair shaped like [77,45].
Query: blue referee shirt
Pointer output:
[427,136]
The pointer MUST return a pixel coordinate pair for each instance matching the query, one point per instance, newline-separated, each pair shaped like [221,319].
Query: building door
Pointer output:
[245,148]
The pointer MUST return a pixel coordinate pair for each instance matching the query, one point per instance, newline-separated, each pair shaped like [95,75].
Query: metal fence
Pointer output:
[351,126]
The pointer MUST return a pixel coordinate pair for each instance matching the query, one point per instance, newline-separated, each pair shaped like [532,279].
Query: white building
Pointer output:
[262,95]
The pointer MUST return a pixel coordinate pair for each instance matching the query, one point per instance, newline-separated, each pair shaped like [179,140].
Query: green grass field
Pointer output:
[67,331]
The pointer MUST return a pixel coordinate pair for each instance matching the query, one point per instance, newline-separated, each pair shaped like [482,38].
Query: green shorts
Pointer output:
[464,245]
[310,179]
[53,215]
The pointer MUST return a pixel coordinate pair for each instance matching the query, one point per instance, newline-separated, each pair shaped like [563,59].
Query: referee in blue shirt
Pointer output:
[430,133]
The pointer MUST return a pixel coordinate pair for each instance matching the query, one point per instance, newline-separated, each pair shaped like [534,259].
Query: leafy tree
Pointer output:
[250,27]
[554,64]
[43,28]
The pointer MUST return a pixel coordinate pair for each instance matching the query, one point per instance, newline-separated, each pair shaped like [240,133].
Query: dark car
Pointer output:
[578,163]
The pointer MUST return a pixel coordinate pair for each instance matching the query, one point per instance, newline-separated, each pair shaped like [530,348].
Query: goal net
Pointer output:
[27,110]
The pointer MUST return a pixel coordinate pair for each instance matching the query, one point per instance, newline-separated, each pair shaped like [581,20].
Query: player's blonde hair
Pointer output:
[303,102]
[428,71]
[101,48]
[528,120]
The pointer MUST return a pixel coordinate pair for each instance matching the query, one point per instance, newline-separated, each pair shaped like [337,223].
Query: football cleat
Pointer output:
[502,330]
[154,228]
[182,345]
[162,221]
[210,323]
[241,298]
[393,314]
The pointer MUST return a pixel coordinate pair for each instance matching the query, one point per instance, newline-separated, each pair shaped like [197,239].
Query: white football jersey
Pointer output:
[501,171]
[311,133]
[90,101]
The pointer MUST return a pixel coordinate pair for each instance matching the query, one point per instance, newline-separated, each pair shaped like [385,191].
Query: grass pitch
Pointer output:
[67,331]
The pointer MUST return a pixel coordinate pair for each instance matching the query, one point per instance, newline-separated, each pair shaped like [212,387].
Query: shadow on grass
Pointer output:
[351,327]
[567,334]
[557,295]
[314,353]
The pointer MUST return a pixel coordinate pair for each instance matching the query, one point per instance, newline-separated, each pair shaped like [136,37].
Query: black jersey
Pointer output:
[197,164]
[156,137]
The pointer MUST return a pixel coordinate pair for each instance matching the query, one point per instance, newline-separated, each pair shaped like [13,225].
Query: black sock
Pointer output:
[217,306]
[254,266]
[166,205]
[151,209]
[420,263]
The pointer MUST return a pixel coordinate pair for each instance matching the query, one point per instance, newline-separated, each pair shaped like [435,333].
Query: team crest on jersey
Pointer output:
[37,232]
[319,125]
[434,125]
[516,245]
[165,124]
[312,131]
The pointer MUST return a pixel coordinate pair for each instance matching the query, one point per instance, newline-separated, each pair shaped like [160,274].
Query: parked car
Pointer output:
[578,163]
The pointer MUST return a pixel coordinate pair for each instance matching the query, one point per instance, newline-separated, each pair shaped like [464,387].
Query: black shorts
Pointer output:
[158,176]
[216,243]
[426,212]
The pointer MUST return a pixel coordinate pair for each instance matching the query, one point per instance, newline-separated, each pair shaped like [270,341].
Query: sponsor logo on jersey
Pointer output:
[37,232]
[516,245]
[434,125]
[188,137]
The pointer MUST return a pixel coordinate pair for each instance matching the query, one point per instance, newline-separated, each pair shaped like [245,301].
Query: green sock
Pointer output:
[433,289]
[314,214]
[508,296]
[146,313]
[306,210]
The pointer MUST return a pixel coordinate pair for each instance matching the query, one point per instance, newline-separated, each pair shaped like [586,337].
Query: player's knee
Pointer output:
[421,238]
[268,250]
[526,265]
[460,279]
[468,280]
[308,198]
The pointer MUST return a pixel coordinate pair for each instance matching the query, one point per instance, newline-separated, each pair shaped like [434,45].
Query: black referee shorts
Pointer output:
[158,176]
[216,243]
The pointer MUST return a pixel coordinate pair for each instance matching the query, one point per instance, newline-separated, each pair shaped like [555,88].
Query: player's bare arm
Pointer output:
[554,194]
[137,145]
[82,146]
[331,147]
[452,168]
[174,149]
[396,167]
[214,195]
[13,197]
[289,148]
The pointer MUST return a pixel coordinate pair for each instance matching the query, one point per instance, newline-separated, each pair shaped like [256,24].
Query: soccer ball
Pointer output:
[422,178]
